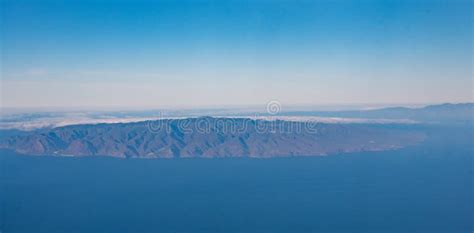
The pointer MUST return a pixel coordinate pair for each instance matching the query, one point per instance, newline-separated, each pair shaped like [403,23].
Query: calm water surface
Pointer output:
[426,188]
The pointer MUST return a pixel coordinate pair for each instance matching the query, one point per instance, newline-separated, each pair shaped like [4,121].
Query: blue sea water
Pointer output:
[424,188]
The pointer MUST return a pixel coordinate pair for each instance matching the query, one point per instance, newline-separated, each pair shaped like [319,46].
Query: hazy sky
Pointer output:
[214,53]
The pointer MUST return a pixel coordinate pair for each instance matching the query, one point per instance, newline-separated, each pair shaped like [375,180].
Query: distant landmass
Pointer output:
[441,113]
[210,137]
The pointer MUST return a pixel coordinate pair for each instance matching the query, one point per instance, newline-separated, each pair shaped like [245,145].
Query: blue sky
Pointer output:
[223,53]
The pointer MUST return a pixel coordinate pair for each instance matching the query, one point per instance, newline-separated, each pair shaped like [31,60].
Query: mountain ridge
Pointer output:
[439,113]
[210,137]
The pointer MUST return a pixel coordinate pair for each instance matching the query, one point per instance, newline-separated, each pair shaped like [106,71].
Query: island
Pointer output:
[211,137]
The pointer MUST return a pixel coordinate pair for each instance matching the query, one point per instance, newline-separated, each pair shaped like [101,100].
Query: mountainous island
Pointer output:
[210,137]
[231,136]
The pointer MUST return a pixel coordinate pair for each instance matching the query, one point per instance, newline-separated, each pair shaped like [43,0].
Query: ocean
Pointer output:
[423,188]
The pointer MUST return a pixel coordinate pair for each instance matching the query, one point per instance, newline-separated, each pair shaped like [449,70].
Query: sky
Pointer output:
[227,53]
